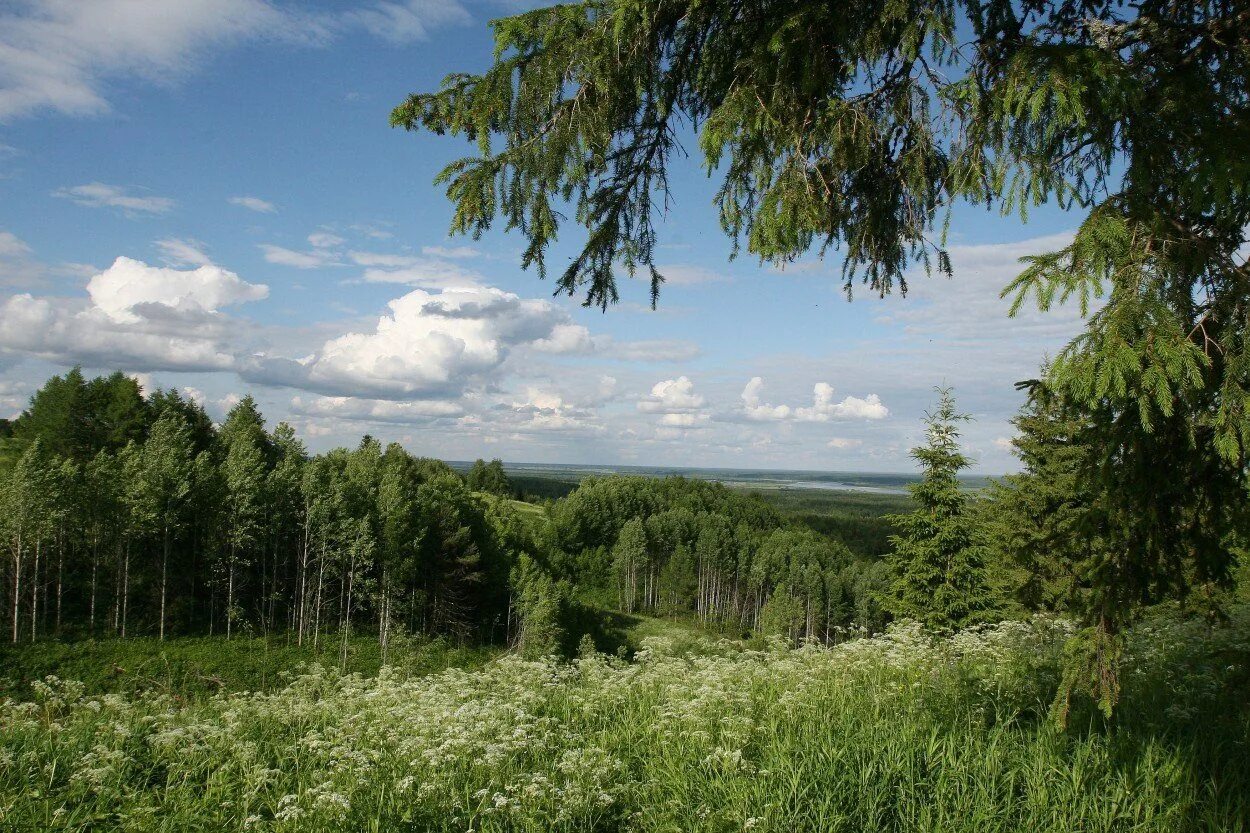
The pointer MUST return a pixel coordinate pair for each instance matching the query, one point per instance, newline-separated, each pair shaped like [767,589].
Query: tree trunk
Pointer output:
[34,595]
[17,585]
[164,579]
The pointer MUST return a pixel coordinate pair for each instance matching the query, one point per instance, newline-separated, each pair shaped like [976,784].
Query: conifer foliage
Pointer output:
[938,560]
[855,127]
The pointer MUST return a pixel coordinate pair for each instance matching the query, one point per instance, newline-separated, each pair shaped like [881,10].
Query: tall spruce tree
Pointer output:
[938,560]
[856,127]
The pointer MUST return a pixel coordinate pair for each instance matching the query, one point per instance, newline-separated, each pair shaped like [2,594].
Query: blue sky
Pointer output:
[207,194]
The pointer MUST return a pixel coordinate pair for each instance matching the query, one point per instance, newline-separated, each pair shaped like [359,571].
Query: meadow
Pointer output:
[903,731]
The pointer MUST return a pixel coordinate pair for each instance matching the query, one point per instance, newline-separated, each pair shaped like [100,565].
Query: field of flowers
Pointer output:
[901,732]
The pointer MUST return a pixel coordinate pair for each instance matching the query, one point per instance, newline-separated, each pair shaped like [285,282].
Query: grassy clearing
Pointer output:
[901,732]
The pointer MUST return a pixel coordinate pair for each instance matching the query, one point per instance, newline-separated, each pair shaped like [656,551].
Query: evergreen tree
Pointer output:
[938,560]
[858,129]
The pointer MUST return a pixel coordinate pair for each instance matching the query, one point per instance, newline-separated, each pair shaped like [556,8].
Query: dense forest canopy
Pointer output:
[127,514]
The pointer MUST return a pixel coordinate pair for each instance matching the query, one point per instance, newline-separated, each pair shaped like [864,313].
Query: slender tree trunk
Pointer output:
[60,582]
[95,566]
[346,627]
[34,595]
[164,580]
[321,570]
[230,594]
[17,586]
[125,589]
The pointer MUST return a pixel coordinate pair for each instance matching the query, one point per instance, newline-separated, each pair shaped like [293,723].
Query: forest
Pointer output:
[127,514]
[191,602]
[214,624]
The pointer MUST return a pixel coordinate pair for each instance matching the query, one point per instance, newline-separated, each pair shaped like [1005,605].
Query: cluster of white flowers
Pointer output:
[713,740]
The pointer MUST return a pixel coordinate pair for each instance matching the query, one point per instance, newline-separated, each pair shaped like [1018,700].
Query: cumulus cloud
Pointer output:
[100,195]
[672,396]
[844,443]
[129,289]
[755,408]
[677,405]
[61,54]
[136,317]
[823,407]
[545,410]
[852,407]
[428,346]
[254,204]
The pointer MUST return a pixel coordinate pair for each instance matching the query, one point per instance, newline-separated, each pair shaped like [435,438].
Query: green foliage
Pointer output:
[902,732]
[939,558]
[539,604]
[857,131]
[489,478]
[192,668]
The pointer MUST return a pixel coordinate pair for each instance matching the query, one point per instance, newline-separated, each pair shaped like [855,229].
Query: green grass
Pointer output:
[200,666]
[902,732]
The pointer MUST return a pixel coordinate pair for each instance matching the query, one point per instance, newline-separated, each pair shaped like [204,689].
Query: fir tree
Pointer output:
[938,559]
[856,129]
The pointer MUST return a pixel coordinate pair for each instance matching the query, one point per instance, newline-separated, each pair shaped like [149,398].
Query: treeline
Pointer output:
[123,514]
[675,546]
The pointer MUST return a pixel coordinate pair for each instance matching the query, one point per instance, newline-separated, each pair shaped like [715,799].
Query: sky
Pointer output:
[207,195]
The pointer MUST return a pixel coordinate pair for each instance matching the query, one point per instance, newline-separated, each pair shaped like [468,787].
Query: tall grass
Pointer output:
[902,732]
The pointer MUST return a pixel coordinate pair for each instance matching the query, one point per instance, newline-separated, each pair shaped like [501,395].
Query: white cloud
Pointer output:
[136,317]
[12,246]
[565,338]
[672,396]
[316,259]
[254,204]
[376,410]
[404,22]
[60,55]
[844,443]
[453,252]
[823,408]
[99,195]
[652,350]
[687,275]
[683,420]
[128,287]
[411,270]
[183,252]
[677,403]
[852,407]
[757,410]
[1003,444]
[325,240]
[429,346]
